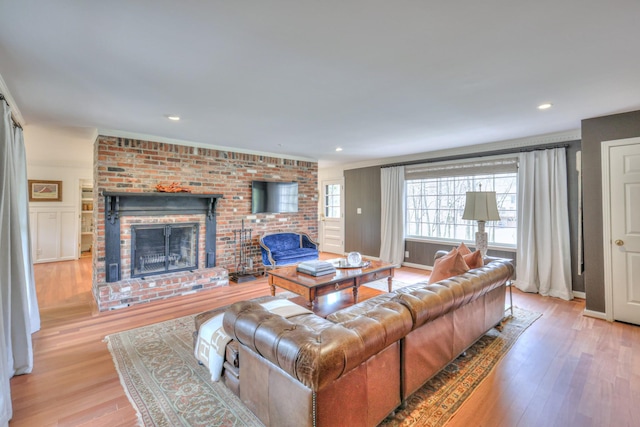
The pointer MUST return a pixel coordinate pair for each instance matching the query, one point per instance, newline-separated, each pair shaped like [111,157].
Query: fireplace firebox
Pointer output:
[157,204]
[163,248]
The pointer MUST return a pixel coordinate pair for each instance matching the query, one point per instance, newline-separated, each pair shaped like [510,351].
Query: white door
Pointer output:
[332,218]
[624,186]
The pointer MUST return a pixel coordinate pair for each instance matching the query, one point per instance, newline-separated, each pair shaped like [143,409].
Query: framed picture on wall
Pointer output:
[45,191]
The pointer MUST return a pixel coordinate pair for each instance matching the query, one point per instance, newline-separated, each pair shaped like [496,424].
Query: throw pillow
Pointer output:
[447,266]
[464,249]
[474,259]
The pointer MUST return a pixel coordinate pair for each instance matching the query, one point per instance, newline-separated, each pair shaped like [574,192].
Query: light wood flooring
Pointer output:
[565,370]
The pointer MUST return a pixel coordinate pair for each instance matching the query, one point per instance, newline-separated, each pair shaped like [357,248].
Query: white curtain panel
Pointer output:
[392,215]
[24,237]
[15,323]
[543,258]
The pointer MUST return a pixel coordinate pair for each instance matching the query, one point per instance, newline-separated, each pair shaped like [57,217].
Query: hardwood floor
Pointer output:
[565,370]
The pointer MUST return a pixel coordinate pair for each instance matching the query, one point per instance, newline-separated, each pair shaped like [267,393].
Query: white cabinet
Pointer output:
[50,232]
[86,218]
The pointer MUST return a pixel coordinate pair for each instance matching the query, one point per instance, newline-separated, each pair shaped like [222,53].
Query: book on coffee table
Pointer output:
[316,268]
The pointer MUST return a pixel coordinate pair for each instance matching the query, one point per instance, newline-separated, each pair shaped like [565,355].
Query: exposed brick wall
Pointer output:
[125,165]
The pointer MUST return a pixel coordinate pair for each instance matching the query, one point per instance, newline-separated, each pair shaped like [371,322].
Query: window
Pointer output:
[332,200]
[434,207]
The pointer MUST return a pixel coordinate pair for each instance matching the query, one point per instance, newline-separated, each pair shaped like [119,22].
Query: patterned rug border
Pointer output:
[433,405]
[123,383]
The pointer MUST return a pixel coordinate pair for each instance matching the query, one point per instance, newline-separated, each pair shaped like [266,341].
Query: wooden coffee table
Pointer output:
[311,287]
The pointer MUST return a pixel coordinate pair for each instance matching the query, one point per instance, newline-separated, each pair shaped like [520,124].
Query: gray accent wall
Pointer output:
[362,232]
[594,132]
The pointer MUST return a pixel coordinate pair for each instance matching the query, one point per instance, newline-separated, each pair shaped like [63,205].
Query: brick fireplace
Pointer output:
[126,173]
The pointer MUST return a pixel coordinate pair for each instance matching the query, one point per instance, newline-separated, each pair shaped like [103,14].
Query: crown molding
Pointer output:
[15,111]
[144,137]
[549,138]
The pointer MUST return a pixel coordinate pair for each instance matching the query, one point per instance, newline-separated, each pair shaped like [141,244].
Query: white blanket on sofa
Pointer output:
[212,339]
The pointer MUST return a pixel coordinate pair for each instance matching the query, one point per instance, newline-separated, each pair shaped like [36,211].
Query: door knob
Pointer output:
[619,242]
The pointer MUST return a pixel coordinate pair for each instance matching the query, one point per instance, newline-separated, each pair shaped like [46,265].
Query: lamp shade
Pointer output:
[481,206]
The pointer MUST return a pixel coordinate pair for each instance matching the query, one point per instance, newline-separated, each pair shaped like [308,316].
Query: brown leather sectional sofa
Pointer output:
[359,364]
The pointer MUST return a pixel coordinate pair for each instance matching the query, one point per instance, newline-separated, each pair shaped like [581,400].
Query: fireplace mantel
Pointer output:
[118,204]
[123,203]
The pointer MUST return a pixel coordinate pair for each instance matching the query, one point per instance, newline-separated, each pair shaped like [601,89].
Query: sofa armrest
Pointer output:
[307,242]
[440,254]
[267,257]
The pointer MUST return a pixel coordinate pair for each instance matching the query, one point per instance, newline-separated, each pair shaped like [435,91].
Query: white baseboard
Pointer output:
[578,294]
[420,266]
[595,314]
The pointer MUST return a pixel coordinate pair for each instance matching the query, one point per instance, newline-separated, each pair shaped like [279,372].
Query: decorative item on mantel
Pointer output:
[174,187]
[243,262]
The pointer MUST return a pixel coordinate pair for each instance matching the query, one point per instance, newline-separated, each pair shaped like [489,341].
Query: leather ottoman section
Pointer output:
[231,378]
[365,395]
[426,351]
[231,354]
[272,395]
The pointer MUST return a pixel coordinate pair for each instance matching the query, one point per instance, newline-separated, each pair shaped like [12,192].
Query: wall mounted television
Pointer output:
[274,197]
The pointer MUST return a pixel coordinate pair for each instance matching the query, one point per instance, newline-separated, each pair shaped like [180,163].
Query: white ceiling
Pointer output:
[301,78]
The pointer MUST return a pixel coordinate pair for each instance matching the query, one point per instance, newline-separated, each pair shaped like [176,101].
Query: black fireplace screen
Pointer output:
[160,248]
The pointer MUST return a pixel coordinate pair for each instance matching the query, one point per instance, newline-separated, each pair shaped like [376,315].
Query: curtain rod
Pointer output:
[483,154]
[13,119]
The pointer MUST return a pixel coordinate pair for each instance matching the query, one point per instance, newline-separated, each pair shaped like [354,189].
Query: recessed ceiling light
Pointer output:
[339,149]
[544,106]
[173,117]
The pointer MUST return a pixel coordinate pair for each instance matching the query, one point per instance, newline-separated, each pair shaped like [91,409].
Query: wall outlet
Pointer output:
[406,254]
[359,211]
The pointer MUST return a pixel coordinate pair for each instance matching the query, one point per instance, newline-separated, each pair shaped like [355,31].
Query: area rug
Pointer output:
[167,387]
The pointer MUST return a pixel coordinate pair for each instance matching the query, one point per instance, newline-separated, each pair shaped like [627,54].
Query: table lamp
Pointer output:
[481,206]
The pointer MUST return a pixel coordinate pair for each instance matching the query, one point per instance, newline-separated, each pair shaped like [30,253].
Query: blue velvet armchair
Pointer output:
[287,248]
